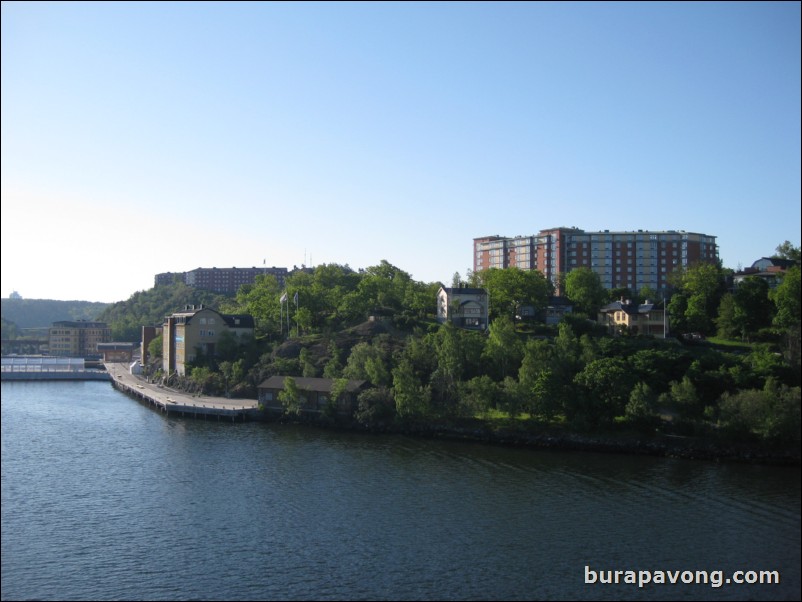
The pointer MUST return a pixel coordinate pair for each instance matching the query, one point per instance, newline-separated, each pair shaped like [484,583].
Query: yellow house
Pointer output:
[197,330]
[626,316]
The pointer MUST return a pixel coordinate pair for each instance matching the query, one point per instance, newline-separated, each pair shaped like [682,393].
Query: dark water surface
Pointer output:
[105,499]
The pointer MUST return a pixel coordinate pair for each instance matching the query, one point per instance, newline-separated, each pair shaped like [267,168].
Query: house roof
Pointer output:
[630,308]
[464,291]
[238,320]
[774,261]
[231,320]
[305,383]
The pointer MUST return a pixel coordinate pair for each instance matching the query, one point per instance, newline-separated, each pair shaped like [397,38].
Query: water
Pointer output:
[105,499]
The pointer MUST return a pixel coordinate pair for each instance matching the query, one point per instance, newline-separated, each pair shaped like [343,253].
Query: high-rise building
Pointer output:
[631,260]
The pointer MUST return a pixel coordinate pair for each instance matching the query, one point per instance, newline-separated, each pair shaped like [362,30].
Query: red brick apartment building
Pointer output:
[634,259]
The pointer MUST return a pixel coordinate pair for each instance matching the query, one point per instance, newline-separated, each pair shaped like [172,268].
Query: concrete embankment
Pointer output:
[177,403]
[78,375]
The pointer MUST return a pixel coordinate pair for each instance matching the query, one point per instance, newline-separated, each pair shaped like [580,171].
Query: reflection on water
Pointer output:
[102,498]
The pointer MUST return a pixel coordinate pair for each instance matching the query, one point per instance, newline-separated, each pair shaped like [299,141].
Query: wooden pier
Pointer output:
[178,403]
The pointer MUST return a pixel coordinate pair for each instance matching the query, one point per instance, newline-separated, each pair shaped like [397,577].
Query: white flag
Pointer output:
[283,298]
[296,298]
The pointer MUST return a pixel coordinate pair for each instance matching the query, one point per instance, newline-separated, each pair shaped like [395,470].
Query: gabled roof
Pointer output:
[190,311]
[629,308]
[238,320]
[305,383]
[463,291]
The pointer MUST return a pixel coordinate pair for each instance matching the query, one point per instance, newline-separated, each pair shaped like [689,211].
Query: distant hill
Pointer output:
[41,313]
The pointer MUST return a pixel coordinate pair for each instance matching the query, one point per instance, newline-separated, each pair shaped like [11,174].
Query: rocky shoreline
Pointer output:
[668,446]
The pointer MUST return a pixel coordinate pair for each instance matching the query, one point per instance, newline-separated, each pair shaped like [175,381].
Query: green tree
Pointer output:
[156,347]
[685,398]
[701,287]
[333,367]
[647,293]
[772,414]
[477,396]
[788,251]
[754,308]
[510,289]
[375,407]
[786,298]
[261,300]
[503,347]
[411,397]
[290,396]
[585,290]
[607,384]
[339,389]
[308,367]
[368,361]
[727,320]
[546,395]
[641,405]
[450,363]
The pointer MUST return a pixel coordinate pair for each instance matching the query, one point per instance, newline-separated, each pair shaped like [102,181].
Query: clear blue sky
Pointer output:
[140,138]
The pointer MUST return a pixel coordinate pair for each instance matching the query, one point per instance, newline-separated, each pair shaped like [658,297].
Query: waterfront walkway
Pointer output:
[179,403]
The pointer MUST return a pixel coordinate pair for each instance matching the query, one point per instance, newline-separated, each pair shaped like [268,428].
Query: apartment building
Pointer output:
[196,330]
[634,259]
[77,338]
[220,280]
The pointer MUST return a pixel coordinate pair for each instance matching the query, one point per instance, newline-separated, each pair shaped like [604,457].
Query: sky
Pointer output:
[140,138]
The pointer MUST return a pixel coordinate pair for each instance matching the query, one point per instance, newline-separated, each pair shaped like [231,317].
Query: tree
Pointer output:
[339,388]
[546,394]
[584,288]
[450,362]
[261,300]
[503,347]
[367,361]
[640,407]
[308,367]
[538,357]
[727,320]
[786,298]
[788,251]
[753,307]
[333,367]
[685,398]
[607,384]
[156,347]
[700,290]
[411,398]
[290,396]
[511,288]
[477,396]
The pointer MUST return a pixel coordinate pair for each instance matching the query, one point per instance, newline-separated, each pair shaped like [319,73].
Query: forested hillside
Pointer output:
[148,308]
[41,313]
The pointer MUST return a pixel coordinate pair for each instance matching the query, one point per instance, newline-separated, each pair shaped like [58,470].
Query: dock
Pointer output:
[177,403]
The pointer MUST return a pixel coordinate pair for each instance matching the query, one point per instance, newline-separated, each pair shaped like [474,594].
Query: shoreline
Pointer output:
[626,443]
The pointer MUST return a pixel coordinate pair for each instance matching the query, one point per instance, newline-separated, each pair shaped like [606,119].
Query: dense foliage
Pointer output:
[378,325]
[148,308]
